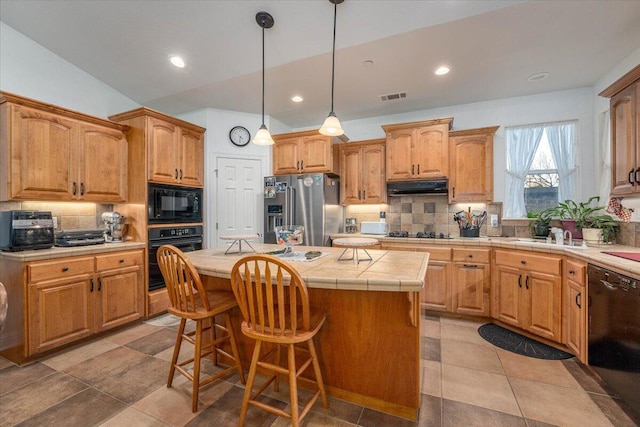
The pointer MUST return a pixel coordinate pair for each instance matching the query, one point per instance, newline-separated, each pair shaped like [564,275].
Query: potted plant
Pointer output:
[586,216]
[539,227]
[598,228]
[570,213]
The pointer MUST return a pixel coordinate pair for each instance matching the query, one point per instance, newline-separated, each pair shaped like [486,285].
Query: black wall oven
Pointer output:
[172,204]
[187,239]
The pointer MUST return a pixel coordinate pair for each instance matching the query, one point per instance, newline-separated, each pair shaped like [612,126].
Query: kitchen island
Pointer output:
[369,347]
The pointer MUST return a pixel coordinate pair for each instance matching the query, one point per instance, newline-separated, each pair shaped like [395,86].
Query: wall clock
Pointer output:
[239,135]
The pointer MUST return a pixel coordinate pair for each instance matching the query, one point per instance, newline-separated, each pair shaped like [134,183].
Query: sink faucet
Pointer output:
[570,236]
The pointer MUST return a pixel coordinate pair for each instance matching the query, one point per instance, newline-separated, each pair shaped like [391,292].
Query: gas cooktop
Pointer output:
[419,235]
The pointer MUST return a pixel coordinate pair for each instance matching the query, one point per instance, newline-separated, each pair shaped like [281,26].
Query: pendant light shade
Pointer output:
[263,137]
[331,126]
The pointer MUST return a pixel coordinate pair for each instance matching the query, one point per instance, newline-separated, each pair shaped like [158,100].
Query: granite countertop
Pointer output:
[388,271]
[62,252]
[592,254]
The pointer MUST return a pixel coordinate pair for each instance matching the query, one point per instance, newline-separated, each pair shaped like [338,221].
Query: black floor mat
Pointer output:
[519,344]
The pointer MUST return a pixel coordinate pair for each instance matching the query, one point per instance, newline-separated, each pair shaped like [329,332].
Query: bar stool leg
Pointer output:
[250,379]
[293,386]
[176,352]
[196,366]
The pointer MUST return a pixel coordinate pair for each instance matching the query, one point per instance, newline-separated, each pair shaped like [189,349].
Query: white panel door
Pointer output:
[239,201]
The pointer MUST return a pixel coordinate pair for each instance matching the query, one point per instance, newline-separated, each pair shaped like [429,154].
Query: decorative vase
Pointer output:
[593,236]
[570,224]
[541,230]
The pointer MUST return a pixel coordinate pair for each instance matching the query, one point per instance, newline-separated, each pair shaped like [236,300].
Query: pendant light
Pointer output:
[263,137]
[331,125]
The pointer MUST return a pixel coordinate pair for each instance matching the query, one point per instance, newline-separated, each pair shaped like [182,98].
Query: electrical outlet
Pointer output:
[494,220]
[55,222]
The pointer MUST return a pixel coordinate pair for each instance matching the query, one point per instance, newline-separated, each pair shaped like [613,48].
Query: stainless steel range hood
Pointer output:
[401,188]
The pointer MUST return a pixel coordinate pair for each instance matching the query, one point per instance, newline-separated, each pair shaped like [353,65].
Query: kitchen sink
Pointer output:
[574,245]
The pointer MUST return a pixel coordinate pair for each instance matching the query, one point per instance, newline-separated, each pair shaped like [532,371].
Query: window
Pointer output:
[540,167]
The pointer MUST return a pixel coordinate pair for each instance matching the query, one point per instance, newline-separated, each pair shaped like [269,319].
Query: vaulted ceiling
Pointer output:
[492,47]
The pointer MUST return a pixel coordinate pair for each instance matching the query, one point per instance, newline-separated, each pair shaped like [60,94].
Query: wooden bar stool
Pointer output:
[189,300]
[274,302]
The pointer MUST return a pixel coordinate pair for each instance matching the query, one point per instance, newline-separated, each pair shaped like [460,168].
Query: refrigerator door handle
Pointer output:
[291,208]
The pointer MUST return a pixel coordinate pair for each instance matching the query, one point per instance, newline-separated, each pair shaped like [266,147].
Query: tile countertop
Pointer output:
[62,252]
[388,271]
[592,254]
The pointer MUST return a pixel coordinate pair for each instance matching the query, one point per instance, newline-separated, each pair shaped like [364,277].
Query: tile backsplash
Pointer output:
[415,214]
[70,215]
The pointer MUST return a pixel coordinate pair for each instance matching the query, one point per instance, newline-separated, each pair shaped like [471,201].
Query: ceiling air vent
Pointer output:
[393,96]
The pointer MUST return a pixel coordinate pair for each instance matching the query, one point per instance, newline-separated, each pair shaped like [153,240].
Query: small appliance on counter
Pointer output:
[25,230]
[73,238]
[350,226]
[115,227]
[367,227]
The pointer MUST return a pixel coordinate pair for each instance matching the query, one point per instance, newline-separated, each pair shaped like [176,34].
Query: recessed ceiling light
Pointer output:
[177,61]
[441,71]
[537,76]
[297,98]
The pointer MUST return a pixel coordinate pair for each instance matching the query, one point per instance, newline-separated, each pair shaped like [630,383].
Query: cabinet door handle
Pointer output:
[359,198]
[520,280]
[176,173]
[364,192]
[526,282]
[472,266]
[121,260]
[454,192]
[470,255]
[180,173]
[418,168]
[571,272]
[65,269]
[631,176]
[301,164]
[412,170]
[91,290]
[99,283]
[82,188]
[636,176]
[75,188]
[578,297]
[298,165]
[523,262]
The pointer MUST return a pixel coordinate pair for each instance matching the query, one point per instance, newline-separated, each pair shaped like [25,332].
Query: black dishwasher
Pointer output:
[614,332]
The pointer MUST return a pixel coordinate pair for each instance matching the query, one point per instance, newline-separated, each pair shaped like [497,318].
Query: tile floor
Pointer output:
[121,380]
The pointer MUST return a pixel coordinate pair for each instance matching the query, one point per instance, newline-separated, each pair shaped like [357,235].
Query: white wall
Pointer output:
[576,104]
[28,69]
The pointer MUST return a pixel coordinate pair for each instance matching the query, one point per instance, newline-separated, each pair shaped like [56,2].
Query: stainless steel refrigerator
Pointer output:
[310,200]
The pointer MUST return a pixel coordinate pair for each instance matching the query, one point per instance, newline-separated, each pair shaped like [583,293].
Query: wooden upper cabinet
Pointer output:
[304,152]
[418,150]
[471,165]
[362,172]
[164,153]
[172,149]
[625,133]
[286,158]
[102,164]
[49,153]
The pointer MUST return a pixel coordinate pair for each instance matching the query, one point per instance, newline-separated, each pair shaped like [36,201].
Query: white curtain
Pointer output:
[605,156]
[562,140]
[522,144]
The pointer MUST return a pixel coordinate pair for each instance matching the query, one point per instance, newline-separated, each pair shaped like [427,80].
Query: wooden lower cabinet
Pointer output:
[72,298]
[527,292]
[471,282]
[574,328]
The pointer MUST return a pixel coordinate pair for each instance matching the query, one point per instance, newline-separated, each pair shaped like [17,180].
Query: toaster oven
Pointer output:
[25,230]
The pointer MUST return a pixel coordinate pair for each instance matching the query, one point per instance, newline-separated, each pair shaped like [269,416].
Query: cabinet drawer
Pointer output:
[118,260]
[577,271]
[58,269]
[548,264]
[471,255]
[436,254]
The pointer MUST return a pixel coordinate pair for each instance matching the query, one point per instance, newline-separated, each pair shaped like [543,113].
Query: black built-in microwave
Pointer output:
[172,204]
